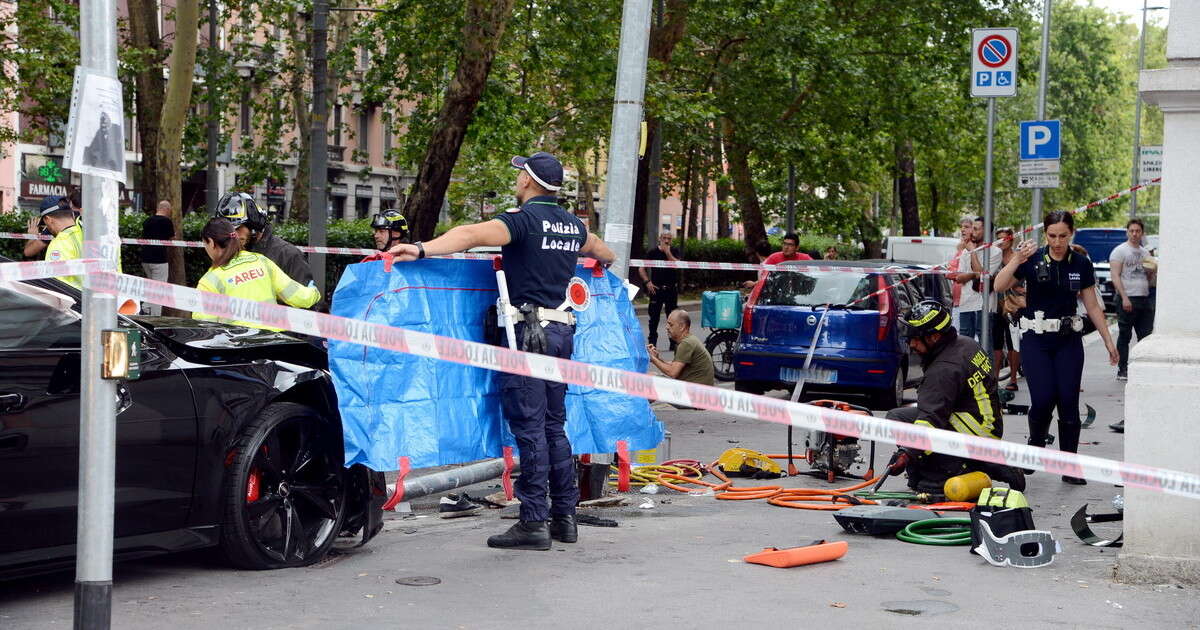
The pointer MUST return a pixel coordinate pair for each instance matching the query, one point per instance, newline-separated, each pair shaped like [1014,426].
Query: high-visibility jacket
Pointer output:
[253,276]
[67,245]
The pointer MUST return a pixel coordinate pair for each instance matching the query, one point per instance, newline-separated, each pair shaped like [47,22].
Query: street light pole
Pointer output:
[1134,171]
[318,174]
[214,132]
[624,136]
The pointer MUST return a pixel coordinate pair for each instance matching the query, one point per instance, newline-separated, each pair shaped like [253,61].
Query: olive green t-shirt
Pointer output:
[697,363]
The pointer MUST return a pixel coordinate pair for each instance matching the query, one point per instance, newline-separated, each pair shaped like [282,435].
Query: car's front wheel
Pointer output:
[893,396]
[285,490]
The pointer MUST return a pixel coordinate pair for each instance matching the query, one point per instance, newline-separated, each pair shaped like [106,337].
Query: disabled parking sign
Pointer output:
[994,62]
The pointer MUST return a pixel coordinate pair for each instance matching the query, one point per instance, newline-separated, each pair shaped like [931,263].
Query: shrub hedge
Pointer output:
[357,233]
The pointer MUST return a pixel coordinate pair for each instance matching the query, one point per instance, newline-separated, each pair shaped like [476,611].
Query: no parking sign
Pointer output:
[994,62]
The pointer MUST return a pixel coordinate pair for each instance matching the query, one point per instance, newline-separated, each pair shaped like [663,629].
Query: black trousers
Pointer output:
[1139,320]
[928,472]
[1053,368]
[664,300]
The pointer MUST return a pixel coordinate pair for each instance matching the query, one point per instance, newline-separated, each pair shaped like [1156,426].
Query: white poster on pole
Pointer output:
[95,129]
[1150,165]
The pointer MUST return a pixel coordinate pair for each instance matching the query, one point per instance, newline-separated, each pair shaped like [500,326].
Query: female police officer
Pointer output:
[247,275]
[1051,340]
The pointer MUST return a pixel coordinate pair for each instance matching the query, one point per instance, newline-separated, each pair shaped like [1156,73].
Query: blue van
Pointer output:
[1099,243]
[861,349]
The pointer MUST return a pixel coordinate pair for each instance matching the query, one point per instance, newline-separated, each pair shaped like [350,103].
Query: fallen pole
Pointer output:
[434,483]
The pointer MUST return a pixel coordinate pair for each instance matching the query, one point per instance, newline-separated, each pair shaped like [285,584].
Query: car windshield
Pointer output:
[817,288]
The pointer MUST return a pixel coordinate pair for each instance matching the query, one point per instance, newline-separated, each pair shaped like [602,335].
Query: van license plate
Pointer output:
[811,375]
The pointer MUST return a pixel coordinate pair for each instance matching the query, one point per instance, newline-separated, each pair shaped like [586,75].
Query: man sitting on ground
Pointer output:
[692,362]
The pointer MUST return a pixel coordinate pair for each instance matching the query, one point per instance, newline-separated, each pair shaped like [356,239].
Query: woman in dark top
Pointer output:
[1052,340]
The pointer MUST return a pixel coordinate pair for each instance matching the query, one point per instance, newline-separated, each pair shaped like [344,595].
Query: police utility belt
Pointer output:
[542,314]
[1040,325]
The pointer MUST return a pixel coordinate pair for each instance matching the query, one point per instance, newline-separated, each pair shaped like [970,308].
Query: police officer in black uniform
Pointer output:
[540,242]
[388,228]
[1056,278]
[957,393]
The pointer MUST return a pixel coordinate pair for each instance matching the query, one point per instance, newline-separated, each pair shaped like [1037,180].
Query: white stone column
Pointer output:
[1162,400]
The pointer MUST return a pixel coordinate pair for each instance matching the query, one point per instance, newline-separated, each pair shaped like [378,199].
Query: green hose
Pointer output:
[944,532]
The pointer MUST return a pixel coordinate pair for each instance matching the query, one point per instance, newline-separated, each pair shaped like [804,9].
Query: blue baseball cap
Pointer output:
[51,203]
[545,169]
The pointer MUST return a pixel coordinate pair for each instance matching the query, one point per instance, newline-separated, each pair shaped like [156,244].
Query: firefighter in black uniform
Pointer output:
[540,242]
[388,228]
[957,393]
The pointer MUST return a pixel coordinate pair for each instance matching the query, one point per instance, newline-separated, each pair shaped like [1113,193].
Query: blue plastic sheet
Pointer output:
[436,412]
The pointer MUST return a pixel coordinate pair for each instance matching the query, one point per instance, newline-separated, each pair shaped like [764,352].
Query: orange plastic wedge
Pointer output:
[797,556]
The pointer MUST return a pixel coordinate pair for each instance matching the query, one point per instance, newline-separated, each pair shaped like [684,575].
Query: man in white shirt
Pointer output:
[1132,281]
[971,307]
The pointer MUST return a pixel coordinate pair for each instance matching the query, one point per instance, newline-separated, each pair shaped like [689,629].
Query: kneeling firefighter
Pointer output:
[958,393]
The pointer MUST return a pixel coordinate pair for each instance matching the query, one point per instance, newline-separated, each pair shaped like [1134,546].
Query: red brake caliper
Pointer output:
[252,486]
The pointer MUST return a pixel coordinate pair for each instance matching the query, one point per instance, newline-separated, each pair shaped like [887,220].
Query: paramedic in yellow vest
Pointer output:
[68,238]
[247,275]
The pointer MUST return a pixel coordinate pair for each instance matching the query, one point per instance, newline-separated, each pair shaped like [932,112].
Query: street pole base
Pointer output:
[93,605]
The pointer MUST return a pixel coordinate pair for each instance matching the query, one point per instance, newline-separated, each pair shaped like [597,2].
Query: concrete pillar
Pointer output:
[1163,394]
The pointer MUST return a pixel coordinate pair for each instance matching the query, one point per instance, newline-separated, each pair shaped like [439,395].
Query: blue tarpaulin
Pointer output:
[436,412]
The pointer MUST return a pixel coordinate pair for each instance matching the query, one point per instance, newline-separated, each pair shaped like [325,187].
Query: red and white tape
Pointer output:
[13,271]
[651,387]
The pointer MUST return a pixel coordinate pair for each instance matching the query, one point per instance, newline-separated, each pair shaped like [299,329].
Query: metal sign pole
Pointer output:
[626,129]
[97,408]
[985,315]
[1035,215]
[318,163]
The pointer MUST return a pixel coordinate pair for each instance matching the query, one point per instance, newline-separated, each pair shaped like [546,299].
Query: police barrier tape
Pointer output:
[33,270]
[651,387]
[635,262]
[939,268]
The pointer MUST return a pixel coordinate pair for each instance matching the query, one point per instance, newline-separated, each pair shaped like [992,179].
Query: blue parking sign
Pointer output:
[1040,140]
[983,78]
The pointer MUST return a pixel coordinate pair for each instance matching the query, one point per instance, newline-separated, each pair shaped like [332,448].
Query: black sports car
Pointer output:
[230,438]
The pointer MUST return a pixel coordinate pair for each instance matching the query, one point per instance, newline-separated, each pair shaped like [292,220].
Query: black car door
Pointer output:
[39,429]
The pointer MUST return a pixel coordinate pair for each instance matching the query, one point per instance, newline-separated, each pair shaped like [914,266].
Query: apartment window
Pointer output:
[387,138]
[337,125]
[244,115]
[364,58]
[338,207]
[364,133]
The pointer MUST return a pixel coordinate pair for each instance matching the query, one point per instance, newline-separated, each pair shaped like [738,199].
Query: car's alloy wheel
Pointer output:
[720,344]
[285,492]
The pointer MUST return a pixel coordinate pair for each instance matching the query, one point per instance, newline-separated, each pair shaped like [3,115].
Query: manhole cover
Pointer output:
[418,580]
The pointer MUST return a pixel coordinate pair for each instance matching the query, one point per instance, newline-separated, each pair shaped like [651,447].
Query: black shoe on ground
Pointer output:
[454,506]
[1074,481]
[563,528]
[1119,427]
[531,535]
[1122,377]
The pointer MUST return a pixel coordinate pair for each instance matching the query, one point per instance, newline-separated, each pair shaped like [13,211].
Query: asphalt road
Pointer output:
[674,565]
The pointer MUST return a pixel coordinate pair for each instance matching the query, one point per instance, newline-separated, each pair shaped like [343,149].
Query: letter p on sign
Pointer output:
[1040,140]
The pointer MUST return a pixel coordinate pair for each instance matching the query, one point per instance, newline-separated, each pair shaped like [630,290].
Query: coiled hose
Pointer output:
[941,532]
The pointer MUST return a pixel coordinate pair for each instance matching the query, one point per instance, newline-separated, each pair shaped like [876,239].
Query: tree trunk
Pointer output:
[868,229]
[298,29]
[639,240]
[934,199]
[704,209]
[906,177]
[584,194]
[743,188]
[176,103]
[689,211]
[694,204]
[148,98]
[723,229]
[481,37]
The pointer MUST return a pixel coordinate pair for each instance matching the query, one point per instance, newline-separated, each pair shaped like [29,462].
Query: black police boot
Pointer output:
[563,528]
[532,535]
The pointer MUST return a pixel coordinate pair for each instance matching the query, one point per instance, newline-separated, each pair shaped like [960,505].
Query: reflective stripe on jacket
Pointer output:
[958,392]
[255,277]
